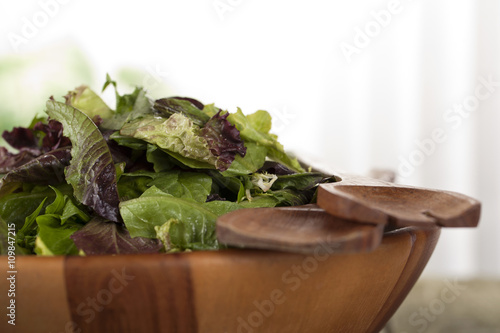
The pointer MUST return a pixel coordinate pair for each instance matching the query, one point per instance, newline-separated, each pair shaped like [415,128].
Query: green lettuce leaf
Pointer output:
[128,106]
[255,128]
[26,236]
[86,100]
[292,198]
[227,187]
[210,110]
[261,121]
[254,159]
[54,238]
[62,209]
[61,219]
[177,135]
[132,185]
[195,222]
[301,181]
[155,207]
[66,209]
[127,141]
[182,236]
[91,172]
[161,160]
[182,184]
[263,200]
[15,207]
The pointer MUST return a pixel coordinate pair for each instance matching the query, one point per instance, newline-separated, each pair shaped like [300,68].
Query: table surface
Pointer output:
[446,305]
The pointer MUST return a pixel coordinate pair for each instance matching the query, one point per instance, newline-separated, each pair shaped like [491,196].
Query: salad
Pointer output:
[147,176]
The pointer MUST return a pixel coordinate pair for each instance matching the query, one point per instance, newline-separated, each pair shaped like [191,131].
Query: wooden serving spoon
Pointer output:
[301,229]
[368,200]
[350,217]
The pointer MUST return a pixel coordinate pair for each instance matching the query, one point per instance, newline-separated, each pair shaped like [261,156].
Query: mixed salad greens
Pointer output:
[148,176]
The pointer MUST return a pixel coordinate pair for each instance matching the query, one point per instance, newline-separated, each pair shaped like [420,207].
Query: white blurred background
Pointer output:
[411,86]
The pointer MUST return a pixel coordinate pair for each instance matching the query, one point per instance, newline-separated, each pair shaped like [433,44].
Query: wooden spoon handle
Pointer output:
[299,229]
[368,200]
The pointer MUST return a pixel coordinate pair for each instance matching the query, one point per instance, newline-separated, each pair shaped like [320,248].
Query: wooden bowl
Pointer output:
[223,291]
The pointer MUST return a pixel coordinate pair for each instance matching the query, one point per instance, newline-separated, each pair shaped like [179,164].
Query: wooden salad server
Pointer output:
[300,229]
[350,216]
[368,200]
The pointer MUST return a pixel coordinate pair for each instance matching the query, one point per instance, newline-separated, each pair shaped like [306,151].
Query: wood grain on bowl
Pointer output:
[41,299]
[224,291]
[424,243]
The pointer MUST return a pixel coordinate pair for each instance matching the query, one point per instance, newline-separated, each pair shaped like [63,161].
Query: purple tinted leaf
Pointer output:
[31,142]
[215,197]
[275,168]
[97,119]
[20,138]
[223,140]
[119,153]
[47,169]
[10,161]
[99,236]
[91,172]
[53,138]
[32,139]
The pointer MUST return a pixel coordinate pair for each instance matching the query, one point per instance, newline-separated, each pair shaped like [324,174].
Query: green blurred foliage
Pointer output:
[27,81]
[150,78]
